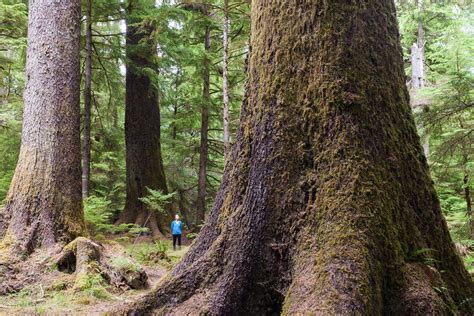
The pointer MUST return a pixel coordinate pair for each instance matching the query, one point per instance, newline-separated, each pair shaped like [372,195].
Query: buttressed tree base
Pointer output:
[326,206]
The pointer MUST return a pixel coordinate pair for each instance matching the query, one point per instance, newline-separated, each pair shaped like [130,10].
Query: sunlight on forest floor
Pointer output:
[156,258]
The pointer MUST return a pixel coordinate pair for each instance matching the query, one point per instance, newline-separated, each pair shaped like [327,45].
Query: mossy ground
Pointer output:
[58,292]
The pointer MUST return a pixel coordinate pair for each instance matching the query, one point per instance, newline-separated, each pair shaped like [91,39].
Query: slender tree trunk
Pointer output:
[44,203]
[203,148]
[418,73]
[467,188]
[174,132]
[86,138]
[225,88]
[142,125]
[467,196]
[326,205]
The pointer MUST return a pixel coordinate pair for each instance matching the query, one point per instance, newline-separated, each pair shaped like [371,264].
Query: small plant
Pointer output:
[97,214]
[151,253]
[161,246]
[191,235]
[423,255]
[91,286]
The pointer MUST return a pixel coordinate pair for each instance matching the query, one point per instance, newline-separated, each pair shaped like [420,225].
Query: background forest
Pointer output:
[189,46]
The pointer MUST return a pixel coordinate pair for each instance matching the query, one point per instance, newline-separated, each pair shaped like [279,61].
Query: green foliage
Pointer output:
[156,200]
[98,216]
[123,263]
[150,253]
[424,255]
[13,19]
[448,119]
[91,286]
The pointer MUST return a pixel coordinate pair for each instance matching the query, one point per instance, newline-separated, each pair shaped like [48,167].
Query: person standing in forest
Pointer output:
[176,230]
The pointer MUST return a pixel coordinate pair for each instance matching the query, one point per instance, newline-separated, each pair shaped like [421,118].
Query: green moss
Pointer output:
[122,263]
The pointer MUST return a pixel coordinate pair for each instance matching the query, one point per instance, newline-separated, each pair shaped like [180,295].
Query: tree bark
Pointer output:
[86,138]
[142,123]
[326,205]
[44,204]
[225,78]
[467,188]
[203,148]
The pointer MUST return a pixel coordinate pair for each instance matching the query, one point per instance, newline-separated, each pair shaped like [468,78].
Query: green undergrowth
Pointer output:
[157,253]
[41,301]
[98,215]
[123,263]
[67,292]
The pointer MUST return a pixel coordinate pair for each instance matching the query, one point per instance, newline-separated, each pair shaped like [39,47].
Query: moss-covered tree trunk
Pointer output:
[44,205]
[326,205]
[142,121]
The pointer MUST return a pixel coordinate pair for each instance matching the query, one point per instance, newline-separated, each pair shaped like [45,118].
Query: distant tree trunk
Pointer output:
[225,88]
[467,188]
[326,205]
[467,196]
[203,148]
[418,73]
[174,132]
[142,125]
[44,204]
[86,138]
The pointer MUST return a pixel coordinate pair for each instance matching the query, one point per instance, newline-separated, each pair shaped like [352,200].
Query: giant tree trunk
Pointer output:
[86,136]
[203,148]
[44,203]
[326,205]
[142,124]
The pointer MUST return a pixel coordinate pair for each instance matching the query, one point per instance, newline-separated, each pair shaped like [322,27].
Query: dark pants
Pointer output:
[176,238]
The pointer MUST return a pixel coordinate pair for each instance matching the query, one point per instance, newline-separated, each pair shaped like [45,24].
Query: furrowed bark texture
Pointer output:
[326,205]
[44,203]
[142,125]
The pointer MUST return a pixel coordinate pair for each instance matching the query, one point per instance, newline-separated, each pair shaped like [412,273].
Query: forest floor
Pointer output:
[53,295]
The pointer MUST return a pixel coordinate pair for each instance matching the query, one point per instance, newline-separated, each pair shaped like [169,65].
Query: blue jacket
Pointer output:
[176,227]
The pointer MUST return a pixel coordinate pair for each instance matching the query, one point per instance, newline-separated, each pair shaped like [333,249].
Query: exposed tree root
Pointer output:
[82,258]
[85,258]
